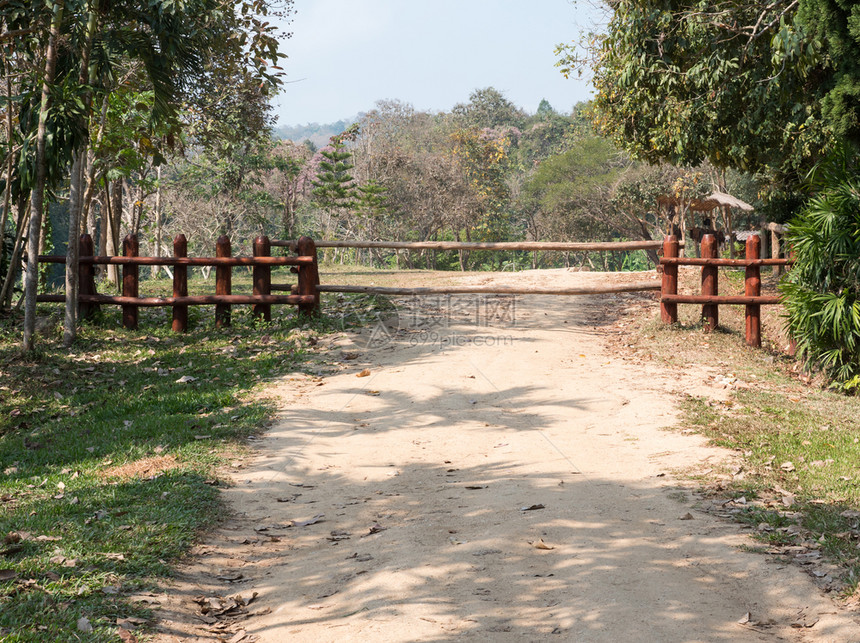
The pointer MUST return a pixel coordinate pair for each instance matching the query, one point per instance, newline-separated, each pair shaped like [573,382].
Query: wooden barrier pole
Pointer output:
[669,311]
[752,287]
[180,285]
[263,277]
[223,282]
[130,279]
[710,312]
[86,277]
[309,276]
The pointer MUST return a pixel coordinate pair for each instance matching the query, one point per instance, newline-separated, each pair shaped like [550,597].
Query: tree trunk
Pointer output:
[72,249]
[37,201]
[23,218]
[7,193]
[78,185]
[155,269]
[114,214]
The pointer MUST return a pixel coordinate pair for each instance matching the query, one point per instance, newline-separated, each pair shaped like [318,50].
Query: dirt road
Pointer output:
[496,475]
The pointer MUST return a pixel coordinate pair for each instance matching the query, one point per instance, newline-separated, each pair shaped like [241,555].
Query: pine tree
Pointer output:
[334,187]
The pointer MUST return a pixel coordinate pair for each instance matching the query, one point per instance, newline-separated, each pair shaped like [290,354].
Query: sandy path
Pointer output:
[439,451]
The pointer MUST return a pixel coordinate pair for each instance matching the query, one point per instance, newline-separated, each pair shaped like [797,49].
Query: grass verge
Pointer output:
[109,453]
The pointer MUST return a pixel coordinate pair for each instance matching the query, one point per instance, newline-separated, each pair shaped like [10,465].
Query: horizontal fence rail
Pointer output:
[183,261]
[703,261]
[608,246]
[192,300]
[494,290]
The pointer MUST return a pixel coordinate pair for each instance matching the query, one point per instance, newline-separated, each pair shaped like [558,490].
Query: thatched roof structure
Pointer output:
[710,202]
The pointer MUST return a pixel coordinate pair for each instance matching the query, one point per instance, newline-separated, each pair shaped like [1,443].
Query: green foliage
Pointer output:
[683,81]
[334,187]
[822,292]
[488,108]
[836,24]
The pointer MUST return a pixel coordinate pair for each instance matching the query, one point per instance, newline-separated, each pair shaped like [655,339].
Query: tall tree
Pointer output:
[734,83]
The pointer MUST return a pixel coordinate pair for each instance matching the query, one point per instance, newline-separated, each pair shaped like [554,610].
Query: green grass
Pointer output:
[79,534]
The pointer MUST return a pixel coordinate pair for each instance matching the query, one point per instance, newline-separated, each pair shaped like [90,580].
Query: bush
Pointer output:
[822,291]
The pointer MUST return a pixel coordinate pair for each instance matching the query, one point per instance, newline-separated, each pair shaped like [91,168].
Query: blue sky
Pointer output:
[347,54]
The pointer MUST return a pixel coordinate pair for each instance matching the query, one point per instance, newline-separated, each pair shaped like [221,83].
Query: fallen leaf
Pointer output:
[686,516]
[310,521]
[532,508]
[241,635]
[229,575]
[126,636]
[185,379]
[805,622]
[375,528]
[476,486]
[245,600]
[373,393]
[787,466]
[130,622]
[540,544]
[364,373]
[84,625]
[743,620]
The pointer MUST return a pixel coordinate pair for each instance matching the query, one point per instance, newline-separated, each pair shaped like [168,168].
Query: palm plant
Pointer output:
[822,291]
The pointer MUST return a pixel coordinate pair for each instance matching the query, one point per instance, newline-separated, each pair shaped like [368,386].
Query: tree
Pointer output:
[488,107]
[334,188]
[734,83]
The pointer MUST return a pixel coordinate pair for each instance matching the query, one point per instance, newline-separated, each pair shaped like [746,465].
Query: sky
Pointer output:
[345,55]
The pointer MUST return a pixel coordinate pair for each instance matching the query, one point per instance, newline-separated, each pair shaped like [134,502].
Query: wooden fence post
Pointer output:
[775,249]
[710,312]
[130,275]
[669,311]
[752,288]
[223,282]
[263,277]
[309,276]
[86,277]
[180,285]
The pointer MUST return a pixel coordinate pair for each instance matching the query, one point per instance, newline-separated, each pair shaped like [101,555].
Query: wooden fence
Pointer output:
[710,297]
[305,295]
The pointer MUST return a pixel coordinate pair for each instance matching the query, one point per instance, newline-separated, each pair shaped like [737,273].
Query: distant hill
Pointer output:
[318,134]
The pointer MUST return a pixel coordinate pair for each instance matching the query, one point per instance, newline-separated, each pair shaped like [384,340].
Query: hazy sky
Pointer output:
[347,54]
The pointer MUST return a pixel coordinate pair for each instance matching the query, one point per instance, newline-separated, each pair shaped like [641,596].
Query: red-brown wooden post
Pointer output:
[669,311]
[86,277]
[309,276]
[710,312]
[223,282]
[180,285]
[263,277]
[752,288]
[130,279]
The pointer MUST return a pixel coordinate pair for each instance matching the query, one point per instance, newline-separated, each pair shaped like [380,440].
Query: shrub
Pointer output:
[822,291]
